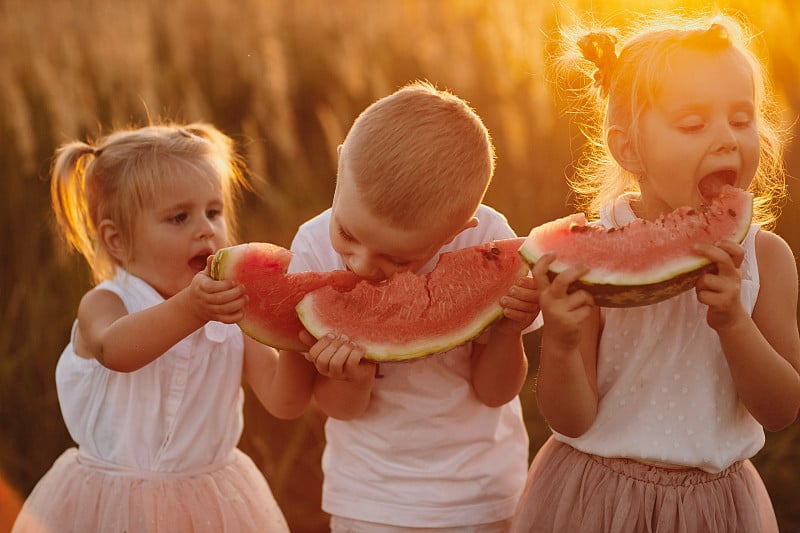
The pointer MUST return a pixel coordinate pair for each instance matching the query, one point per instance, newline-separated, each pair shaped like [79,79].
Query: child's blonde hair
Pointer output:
[420,156]
[620,87]
[119,174]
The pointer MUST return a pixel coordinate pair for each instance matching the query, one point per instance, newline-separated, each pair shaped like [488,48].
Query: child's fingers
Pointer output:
[235,294]
[330,354]
[338,356]
[520,318]
[734,250]
[723,254]
[230,318]
[526,282]
[561,283]
[525,290]
[307,338]
[722,286]
[539,271]
[578,300]
[351,365]
[227,306]
[524,294]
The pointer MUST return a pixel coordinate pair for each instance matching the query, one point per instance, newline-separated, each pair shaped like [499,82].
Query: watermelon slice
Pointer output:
[269,316]
[642,262]
[411,315]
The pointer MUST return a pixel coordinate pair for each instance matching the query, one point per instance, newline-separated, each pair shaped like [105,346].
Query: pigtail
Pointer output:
[68,195]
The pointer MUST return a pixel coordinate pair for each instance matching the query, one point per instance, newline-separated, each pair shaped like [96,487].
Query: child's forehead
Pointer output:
[693,73]
[189,173]
[171,184]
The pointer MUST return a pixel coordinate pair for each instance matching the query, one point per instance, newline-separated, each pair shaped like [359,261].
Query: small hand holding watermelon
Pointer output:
[721,290]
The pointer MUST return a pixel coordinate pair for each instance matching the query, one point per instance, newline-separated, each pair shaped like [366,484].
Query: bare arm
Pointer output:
[499,368]
[566,385]
[763,351]
[126,342]
[283,383]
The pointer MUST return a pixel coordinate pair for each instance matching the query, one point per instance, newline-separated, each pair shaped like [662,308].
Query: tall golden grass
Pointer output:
[286,79]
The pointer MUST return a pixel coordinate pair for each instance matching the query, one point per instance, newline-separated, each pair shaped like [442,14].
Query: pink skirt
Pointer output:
[568,490]
[73,496]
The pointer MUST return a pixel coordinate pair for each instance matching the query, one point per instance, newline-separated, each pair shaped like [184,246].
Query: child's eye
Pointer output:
[741,121]
[346,236]
[399,262]
[179,218]
[691,127]
[214,213]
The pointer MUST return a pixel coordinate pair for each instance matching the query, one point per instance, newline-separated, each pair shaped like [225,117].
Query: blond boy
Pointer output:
[438,442]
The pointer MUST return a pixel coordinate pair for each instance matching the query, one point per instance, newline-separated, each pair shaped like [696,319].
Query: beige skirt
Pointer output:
[568,490]
[76,496]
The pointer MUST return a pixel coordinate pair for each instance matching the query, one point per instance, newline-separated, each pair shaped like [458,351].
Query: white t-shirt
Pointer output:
[665,390]
[180,413]
[427,452]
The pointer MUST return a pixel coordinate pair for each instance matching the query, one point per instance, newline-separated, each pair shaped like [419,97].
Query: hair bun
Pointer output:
[600,49]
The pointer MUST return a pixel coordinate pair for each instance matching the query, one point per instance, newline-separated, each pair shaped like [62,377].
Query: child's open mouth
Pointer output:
[198,262]
[711,185]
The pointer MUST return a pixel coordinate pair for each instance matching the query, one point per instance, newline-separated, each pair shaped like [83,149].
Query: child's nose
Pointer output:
[725,140]
[364,267]
[206,228]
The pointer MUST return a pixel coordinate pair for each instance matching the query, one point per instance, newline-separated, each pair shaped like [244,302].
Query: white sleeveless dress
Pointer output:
[156,447]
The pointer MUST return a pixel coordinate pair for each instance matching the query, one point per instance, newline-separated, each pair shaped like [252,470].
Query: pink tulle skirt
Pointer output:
[568,490]
[76,497]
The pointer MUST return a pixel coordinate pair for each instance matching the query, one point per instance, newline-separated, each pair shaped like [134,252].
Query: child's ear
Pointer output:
[112,240]
[471,223]
[624,151]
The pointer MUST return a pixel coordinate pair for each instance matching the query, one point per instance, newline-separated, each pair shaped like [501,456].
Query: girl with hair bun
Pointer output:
[657,410]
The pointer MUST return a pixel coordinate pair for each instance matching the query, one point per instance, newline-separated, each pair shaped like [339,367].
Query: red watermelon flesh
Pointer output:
[642,262]
[269,315]
[412,315]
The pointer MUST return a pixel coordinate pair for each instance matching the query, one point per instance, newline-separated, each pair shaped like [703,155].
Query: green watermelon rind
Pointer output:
[217,270]
[627,290]
[385,352]
[608,295]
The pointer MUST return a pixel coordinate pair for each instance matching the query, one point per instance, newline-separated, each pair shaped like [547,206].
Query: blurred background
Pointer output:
[286,79]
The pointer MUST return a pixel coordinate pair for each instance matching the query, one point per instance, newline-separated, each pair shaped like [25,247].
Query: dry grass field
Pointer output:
[285,78]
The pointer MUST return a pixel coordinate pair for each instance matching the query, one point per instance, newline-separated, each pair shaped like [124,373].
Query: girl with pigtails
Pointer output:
[657,410]
[149,384]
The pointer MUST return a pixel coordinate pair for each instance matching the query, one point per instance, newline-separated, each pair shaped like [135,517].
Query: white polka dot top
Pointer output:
[665,391]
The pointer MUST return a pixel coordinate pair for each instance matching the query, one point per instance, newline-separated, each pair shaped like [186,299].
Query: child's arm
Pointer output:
[763,351]
[343,385]
[283,383]
[566,385]
[126,342]
[499,368]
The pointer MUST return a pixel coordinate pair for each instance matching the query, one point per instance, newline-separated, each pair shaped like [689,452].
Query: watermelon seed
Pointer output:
[492,254]
[576,228]
[731,212]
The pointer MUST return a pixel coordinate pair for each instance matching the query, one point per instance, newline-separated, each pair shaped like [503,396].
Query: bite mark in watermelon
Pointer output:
[643,262]
[410,315]
[269,316]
